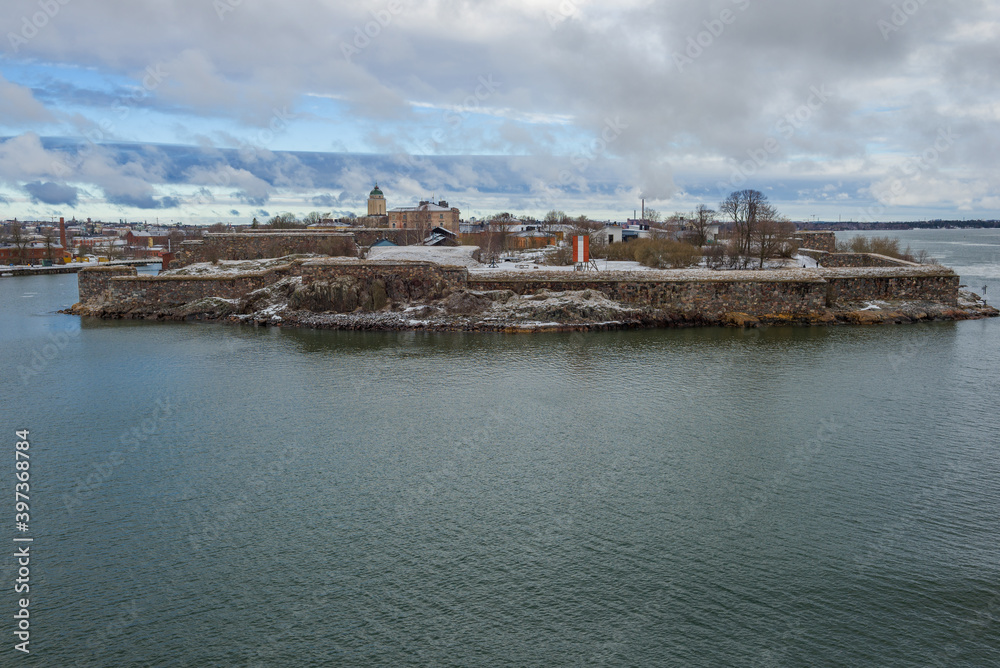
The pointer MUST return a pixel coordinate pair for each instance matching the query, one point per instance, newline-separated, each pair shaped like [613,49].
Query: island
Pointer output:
[226,278]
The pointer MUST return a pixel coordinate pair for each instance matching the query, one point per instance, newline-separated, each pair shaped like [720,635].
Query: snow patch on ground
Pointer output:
[232,267]
[461,256]
[549,307]
[805,261]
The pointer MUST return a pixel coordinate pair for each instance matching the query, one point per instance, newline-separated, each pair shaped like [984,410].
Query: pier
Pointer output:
[71,268]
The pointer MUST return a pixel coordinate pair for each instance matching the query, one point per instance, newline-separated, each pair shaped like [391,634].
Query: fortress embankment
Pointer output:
[252,245]
[344,292]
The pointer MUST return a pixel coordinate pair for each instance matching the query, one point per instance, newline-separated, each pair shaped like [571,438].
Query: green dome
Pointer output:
[375,191]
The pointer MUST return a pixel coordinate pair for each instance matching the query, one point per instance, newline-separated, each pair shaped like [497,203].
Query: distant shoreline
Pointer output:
[899,227]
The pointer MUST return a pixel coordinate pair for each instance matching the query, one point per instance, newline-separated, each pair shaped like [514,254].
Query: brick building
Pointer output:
[425,216]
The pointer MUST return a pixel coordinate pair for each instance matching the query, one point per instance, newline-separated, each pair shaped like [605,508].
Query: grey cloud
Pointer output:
[252,200]
[892,92]
[326,201]
[52,193]
[144,201]
[18,105]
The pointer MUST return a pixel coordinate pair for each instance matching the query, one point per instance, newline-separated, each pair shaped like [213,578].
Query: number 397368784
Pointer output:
[21,488]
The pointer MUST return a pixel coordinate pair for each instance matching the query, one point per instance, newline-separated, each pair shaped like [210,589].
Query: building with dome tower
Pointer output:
[376,202]
[376,216]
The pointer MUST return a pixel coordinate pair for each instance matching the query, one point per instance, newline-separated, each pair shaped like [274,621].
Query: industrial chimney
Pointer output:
[62,236]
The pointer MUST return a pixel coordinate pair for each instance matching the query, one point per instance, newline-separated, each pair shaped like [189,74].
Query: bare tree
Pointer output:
[21,241]
[715,256]
[772,237]
[285,221]
[49,238]
[498,229]
[313,218]
[746,209]
[68,251]
[111,249]
[553,218]
[699,224]
[653,216]
[174,240]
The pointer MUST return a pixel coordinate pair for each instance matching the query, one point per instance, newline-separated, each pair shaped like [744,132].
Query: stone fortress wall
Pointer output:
[254,245]
[793,291]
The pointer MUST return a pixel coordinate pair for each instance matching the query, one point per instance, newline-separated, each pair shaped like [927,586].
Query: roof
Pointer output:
[422,207]
[375,191]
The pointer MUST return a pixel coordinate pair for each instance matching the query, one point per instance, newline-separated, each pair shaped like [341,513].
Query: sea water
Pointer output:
[213,495]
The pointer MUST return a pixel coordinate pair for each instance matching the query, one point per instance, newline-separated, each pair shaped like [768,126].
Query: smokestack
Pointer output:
[643,209]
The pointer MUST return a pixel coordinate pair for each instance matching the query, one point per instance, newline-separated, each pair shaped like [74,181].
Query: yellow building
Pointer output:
[425,216]
[376,202]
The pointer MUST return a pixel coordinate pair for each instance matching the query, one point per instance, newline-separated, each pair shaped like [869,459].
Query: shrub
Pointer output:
[617,252]
[883,246]
[655,253]
[715,256]
[560,257]
[880,245]
[663,253]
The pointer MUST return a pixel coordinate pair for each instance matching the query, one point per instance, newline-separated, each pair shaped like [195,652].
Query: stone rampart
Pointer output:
[922,284]
[710,297]
[94,282]
[257,245]
[328,284]
[839,260]
[254,245]
[821,241]
[171,291]
[401,281]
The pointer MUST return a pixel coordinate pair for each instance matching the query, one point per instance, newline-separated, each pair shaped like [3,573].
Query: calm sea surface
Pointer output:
[207,495]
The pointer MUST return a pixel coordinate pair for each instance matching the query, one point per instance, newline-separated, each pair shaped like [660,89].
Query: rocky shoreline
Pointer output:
[505,311]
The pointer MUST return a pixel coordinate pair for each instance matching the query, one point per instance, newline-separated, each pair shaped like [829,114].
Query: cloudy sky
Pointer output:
[208,110]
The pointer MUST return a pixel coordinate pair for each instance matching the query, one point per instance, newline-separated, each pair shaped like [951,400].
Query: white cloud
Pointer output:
[18,106]
[566,68]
